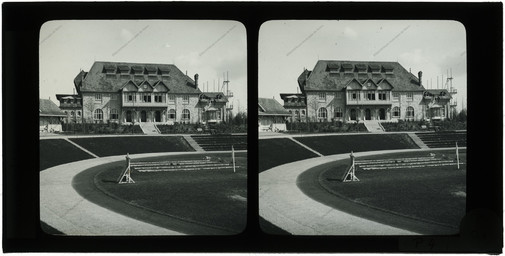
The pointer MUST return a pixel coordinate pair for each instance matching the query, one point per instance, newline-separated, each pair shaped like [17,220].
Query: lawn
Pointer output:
[330,145]
[110,146]
[57,151]
[274,152]
[434,194]
[212,198]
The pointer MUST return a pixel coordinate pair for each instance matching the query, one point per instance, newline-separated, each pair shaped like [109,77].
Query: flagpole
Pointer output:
[457,154]
[233,157]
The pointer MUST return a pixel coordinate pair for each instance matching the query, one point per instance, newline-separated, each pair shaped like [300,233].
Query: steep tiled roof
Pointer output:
[393,72]
[49,108]
[298,102]
[217,96]
[268,107]
[96,79]
[441,93]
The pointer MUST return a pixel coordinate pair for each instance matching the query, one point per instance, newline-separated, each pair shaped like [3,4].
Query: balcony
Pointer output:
[144,104]
[368,102]
[229,107]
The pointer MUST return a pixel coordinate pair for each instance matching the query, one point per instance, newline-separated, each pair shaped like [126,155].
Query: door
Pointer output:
[382,114]
[368,114]
[157,116]
[143,116]
[128,116]
[353,114]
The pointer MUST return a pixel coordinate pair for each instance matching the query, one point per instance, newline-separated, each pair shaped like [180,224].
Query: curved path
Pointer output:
[71,213]
[282,203]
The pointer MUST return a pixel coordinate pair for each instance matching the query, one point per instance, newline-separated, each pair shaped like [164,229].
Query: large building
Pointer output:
[128,93]
[364,90]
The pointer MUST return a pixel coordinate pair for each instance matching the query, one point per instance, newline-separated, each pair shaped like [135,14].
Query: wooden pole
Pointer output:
[457,154]
[233,157]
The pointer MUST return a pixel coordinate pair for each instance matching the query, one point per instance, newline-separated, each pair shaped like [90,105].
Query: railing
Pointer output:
[144,104]
[369,102]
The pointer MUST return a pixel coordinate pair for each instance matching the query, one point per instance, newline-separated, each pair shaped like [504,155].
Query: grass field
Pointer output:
[57,151]
[434,194]
[274,152]
[214,198]
[329,145]
[110,146]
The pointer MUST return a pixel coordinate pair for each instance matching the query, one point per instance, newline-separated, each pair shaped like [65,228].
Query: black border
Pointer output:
[482,231]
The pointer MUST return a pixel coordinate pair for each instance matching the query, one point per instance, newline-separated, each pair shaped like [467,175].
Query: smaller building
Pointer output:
[436,103]
[296,105]
[71,105]
[213,107]
[271,115]
[50,116]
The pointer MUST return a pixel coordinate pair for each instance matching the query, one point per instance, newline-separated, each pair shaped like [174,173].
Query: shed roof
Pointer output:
[49,108]
[268,107]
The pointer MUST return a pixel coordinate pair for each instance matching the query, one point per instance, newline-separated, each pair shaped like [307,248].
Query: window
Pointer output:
[322,96]
[303,112]
[410,96]
[158,98]
[130,97]
[382,96]
[146,98]
[410,112]
[322,113]
[171,98]
[79,113]
[72,113]
[442,112]
[114,114]
[98,115]
[185,114]
[98,97]
[171,114]
[297,113]
[370,95]
[396,112]
[338,95]
[354,96]
[185,99]
[396,96]
[338,112]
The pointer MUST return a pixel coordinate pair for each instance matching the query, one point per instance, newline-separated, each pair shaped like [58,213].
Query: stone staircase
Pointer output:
[149,128]
[373,126]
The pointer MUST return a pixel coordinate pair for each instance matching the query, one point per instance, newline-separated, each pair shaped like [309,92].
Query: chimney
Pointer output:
[420,75]
[196,80]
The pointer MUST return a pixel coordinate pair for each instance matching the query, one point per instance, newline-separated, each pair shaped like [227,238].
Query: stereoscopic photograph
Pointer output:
[143,127]
[362,127]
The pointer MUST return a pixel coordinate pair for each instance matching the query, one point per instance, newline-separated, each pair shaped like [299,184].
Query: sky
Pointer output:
[207,47]
[287,47]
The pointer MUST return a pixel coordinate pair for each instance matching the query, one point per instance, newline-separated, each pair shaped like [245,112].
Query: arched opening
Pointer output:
[157,116]
[143,116]
[382,114]
[368,114]
[128,116]
[353,114]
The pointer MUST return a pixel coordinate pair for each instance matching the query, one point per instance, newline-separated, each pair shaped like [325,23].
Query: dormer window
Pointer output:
[375,68]
[388,69]
[164,71]
[333,68]
[362,68]
[347,68]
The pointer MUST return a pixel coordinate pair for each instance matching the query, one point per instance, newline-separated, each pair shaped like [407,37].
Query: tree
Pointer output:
[461,117]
